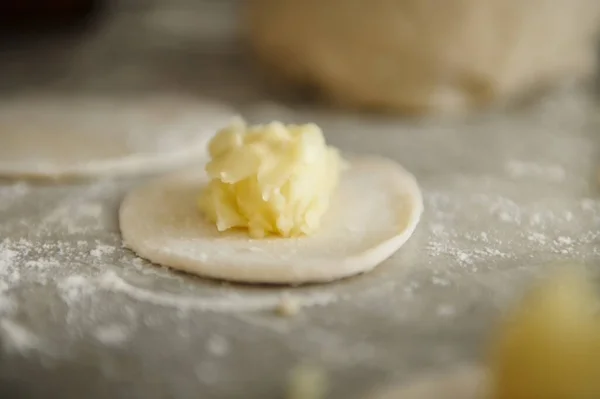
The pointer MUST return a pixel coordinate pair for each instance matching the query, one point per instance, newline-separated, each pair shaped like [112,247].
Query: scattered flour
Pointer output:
[225,303]
[64,248]
[7,305]
[524,169]
[112,334]
[72,218]
[73,288]
[78,214]
[17,338]
[537,238]
[217,345]
[85,268]
[511,229]
[102,249]
[10,193]
[7,257]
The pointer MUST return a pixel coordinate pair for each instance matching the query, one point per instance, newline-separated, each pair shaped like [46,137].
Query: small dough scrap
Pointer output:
[373,212]
[73,137]
[307,381]
[288,306]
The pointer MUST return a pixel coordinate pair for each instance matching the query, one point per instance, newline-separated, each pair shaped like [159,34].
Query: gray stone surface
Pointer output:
[509,196]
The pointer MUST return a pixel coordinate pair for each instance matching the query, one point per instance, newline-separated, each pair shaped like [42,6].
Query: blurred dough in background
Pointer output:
[424,56]
[61,137]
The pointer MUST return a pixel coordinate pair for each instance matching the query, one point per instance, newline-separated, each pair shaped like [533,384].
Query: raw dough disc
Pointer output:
[78,137]
[375,210]
[464,382]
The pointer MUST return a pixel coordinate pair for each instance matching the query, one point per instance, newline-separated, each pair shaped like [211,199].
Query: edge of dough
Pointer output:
[461,382]
[134,164]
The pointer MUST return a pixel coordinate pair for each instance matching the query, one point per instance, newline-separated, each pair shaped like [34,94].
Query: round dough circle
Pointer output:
[66,137]
[464,382]
[374,211]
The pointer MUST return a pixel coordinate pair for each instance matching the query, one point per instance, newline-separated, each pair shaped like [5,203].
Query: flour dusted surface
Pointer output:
[496,215]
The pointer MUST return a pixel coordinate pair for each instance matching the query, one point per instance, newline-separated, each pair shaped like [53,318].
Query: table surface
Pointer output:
[508,196]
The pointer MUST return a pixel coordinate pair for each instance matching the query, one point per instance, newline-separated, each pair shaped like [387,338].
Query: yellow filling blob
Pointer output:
[270,179]
[550,347]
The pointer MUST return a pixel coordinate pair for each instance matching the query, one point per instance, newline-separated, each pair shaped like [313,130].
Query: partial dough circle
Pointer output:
[464,382]
[375,210]
[66,137]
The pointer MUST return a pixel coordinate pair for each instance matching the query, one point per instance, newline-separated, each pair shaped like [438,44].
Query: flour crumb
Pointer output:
[73,288]
[463,256]
[102,249]
[41,264]
[74,217]
[564,240]
[537,238]
[217,345]
[10,254]
[7,255]
[17,338]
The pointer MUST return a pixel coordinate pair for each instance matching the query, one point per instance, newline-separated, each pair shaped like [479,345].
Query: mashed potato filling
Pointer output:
[271,179]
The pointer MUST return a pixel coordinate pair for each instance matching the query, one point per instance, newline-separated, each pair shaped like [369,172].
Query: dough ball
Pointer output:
[374,212]
[424,56]
[62,137]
